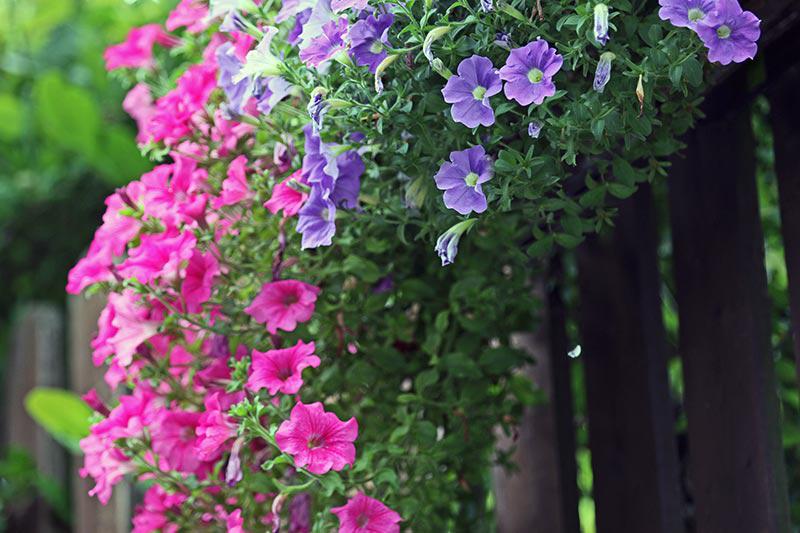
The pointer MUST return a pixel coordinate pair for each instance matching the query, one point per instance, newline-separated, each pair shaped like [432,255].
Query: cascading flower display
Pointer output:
[299,148]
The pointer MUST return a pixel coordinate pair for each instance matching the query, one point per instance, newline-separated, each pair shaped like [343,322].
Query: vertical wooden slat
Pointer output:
[35,360]
[785,119]
[737,469]
[634,456]
[541,495]
[90,515]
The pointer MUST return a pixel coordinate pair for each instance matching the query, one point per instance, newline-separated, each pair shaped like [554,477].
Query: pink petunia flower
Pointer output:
[138,103]
[190,14]
[199,280]
[151,515]
[283,304]
[317,440]
[136,51]
[281,370]
[234,188]
[285,197]
[215,428]
[362,514]
[159,256]
[133,324]
[175,439]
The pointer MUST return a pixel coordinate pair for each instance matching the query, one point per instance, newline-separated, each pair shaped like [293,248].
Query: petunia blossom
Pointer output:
[137,49]
[286,197]
[362,514]
[190,14]
[317,220]
[234,188]
[461,180]
[341,5]
[730,34]
[317,440]
[174,436]
[325,46]
[369,39]
[470,90]
[685,13]
[283,304]
[197,285]
[214,427]
[281,370]
[529,72]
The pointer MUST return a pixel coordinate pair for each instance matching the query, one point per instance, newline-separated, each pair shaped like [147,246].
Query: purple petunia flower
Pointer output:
[341,5]
[294,34]
[316,220]
[347,185]
[461,180]
[338,176]
[529,72]
[323,47]
[447,243]
[602,75]
[269,91]
[319,160]
[729,33]
[368,40]
[317,109]
[237,93]
[469,92]
[685,13]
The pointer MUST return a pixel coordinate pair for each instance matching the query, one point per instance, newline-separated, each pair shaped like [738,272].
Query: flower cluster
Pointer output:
[263,290]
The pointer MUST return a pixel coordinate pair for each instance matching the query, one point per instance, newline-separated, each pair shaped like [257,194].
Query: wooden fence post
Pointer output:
[634,456]
[36,360]
[90,515]
[542,494]
[736,459]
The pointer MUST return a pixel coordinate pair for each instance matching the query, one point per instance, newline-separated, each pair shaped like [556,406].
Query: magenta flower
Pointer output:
[318,441]
[199,280]
[529,72]
[132,325]
[234,188]
[281,370]
[214,428]
[323,47]
[685,13]
[469,92]
[368,40]
[287,198]
[283,304]
[362,514]
[729,33]
[190,14]
[461,180]
[137,49]
[175,439]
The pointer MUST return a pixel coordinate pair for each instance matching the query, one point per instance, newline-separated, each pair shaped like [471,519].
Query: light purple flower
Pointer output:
[269,91]
[729,33]
[317,109]
[319,159]
[602,75]
[341,5]
[601,24]
[237,93]
[529,72]
[316,220]
[338,177]
[368,40]
[461,180]
[294,34]
[685,13]
[347,185]
[291,8]
[469,92]
[487,5]
[323,47]
[447,243]
[534,129]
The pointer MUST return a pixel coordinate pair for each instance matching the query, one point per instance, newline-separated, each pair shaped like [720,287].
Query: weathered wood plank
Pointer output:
[736,469]
[634,457]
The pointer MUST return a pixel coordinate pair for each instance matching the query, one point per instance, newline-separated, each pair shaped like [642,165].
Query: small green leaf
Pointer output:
[61,413]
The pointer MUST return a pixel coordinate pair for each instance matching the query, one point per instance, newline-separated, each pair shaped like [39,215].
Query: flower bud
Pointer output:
[534,129]
[382,66]
[640,95]
[438,66]
[447,243]
[317,108]
[486,5]
[603,73]
[601,24]
[434,35]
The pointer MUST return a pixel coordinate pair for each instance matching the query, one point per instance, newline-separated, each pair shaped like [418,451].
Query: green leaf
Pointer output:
[460,365]
[11,117]
[362,268]
[61,413]
[621,190]
[501,360]
[67,114]
[425,379]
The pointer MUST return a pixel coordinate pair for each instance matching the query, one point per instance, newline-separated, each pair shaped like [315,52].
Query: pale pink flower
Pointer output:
[283,304]
[197,285]
[175,439]
[362,514]
[190,14]
[133,324]
[138,103]
[341,5]
[285,197]
[214,428]
[281,370]
[137,49]
[317,440]
[234,188]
